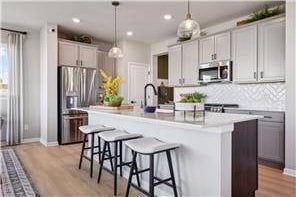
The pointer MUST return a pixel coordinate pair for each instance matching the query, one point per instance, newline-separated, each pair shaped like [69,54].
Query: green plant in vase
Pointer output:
[111,85]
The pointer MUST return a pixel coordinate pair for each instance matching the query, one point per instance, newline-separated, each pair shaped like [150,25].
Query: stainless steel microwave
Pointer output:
[215,72]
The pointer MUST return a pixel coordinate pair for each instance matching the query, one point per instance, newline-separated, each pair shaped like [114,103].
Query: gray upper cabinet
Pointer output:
[190,63]
[258,52]
[215,48]
[68,54]
[77,54]
[207,49]
[271,50]
[175,65]
[222,46]
[244,54]
[183,64]
[88,56]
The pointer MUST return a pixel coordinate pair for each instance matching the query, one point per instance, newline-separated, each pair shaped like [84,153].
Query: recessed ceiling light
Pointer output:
[167,17]
[129,33]
[76,20]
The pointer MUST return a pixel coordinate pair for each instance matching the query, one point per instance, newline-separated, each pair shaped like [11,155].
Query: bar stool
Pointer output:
[116,137]
[151,146]
[91,130]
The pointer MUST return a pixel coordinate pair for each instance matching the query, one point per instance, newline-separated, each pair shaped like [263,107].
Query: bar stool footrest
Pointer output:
[141,171]
[163,181]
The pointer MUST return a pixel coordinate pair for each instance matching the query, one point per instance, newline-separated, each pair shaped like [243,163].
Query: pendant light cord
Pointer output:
[115,28]
[188,7]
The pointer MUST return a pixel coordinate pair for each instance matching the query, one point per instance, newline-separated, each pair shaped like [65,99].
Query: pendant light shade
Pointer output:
[115,51]
[188,27]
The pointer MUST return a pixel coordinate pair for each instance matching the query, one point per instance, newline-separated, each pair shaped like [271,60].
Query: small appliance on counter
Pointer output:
[76,88]
[217,107]
[215,72]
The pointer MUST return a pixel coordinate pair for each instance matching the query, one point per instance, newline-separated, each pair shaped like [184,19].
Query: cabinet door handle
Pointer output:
[215,56]
[183,80]
[80,62]
[261,74]
[267,116]
[255,75]
[212,56]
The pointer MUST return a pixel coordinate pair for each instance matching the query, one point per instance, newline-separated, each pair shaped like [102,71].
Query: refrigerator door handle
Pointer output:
[91,86]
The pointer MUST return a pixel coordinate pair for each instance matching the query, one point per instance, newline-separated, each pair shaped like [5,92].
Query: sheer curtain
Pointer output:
[15,89]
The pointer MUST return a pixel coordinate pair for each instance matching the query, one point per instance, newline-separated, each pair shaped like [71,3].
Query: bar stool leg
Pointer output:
[82,151]
[120,157]
[137,175]
[102,164]
[92,154]
[99,149]
[151,176]
[131,174]
[172,173]
[115,167]
[110,155]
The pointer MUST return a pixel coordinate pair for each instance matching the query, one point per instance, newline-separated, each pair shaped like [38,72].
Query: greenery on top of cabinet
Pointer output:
[262,14]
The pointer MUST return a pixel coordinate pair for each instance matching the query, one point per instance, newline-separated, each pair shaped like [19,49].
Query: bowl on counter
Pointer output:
[149,109]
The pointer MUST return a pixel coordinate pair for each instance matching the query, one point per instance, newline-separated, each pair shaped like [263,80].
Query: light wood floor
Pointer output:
[54,172]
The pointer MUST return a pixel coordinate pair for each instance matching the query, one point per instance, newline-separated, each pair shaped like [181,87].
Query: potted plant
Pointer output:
[111,85]
[189,101]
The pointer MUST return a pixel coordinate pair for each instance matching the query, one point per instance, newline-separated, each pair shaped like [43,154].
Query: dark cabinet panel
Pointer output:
[244,159]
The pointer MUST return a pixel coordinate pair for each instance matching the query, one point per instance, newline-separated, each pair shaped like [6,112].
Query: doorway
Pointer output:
[165,93]
[138,77]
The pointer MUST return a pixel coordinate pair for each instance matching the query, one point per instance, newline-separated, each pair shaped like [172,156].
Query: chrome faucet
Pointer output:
[145,92]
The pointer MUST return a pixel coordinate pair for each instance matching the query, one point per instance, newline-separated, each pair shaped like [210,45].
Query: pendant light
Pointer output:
[188,27]
[115,51]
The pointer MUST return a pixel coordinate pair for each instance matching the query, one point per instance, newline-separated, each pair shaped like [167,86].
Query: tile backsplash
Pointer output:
[260,96]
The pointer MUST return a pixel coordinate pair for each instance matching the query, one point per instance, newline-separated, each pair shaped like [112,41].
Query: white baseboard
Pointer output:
[289,172]
[47,144]
[30,140]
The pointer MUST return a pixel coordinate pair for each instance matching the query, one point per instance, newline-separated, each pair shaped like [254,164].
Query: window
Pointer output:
[3,69]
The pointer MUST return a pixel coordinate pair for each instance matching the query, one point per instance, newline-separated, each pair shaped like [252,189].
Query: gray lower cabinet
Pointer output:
[271,141]
[271,136]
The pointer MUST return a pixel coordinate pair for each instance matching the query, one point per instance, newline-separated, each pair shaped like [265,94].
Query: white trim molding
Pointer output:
[289,172]
[30,140]
[47,144]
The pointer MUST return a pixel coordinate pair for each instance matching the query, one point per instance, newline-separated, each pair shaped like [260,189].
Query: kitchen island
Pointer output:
[217,154]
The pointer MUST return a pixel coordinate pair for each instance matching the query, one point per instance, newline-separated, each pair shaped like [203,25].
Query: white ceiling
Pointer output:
[144,18]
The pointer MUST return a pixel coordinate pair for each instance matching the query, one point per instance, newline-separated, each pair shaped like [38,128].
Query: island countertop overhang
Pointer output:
[213,122]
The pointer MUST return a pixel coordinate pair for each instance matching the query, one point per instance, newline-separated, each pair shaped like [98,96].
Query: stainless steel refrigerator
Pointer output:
[76,88]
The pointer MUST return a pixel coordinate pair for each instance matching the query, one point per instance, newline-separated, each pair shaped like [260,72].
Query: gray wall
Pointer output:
[31,82]
[132,52]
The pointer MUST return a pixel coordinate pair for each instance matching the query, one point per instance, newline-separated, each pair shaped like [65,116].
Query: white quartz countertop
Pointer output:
[211,119]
